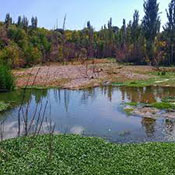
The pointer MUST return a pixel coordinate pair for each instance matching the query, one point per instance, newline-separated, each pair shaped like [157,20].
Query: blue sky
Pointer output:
[78,11]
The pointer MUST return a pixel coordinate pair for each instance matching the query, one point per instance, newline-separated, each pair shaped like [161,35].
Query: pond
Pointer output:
[92,112]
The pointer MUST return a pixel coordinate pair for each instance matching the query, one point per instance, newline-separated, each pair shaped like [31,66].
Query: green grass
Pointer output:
[158,105]
[38,87]
[132,103]
[128,111]
[84,156]
[138,83]
[161,74]
[3,106]
[163,105]
[156,80]
[113,60]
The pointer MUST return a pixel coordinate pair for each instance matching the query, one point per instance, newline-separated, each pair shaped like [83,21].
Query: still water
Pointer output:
[93,112]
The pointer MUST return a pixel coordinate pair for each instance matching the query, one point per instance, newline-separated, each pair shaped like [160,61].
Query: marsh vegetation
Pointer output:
[59,88]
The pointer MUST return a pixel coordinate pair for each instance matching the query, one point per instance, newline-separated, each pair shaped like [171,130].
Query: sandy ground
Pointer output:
[79,76]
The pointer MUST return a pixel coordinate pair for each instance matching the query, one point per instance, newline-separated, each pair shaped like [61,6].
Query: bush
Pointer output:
[6,78]
[10,55]
[33,56]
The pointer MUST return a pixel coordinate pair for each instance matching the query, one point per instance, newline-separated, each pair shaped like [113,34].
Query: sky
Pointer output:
[78,12]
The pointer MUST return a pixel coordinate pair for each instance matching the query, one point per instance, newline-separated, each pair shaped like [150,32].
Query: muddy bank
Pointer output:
[79,76]
[93,74]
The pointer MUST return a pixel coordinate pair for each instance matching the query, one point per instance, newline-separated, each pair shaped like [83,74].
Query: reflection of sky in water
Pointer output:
[96,112]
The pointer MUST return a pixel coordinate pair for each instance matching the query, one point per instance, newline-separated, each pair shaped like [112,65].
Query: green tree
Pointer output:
[10,55]
[6,78]
[32,55]
[25,23]
[135,29]
[19,22]
[8,20]
[34,22]
[151,26]
[123,34]
[136,39]
[170,32]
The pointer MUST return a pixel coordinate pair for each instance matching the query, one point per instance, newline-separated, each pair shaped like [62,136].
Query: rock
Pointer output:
[106,83]
[147,112]
[96,85]
[92,77]
[169,115]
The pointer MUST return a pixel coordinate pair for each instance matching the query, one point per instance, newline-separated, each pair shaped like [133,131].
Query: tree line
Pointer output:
[139,41]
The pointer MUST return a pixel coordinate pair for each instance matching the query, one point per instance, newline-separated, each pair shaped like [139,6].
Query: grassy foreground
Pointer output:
[83,155]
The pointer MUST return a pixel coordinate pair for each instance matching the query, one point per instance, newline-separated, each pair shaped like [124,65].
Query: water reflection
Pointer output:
[170,126]
[93,112]
[149,126]
[146,94]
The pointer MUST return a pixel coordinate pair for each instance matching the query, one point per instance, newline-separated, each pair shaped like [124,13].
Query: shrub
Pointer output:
[10,55]
[33,56]
[6,78]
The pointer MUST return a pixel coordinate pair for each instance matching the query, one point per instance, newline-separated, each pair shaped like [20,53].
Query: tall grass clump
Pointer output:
[7,82]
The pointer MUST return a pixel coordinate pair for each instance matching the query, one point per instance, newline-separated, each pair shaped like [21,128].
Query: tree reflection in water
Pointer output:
[92,110]
[149,126]
[170,126]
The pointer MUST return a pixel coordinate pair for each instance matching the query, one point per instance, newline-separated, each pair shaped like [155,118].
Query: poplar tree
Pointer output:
[170,32]
[151,26]
[8,20]
[34,22]
[19,23]
[25,23]
[135,29]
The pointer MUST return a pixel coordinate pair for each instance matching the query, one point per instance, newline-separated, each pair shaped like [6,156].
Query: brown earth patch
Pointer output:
[80,76]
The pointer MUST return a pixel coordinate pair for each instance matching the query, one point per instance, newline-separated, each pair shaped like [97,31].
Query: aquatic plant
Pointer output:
[84,155]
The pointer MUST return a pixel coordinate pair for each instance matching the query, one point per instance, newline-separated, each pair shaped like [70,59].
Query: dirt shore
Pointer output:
[78,76]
